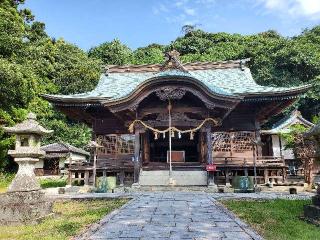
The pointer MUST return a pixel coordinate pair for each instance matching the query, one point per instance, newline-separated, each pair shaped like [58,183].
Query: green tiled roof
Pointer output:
[283,126]
[225,81]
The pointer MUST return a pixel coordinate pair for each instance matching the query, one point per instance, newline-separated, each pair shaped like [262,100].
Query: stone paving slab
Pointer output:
[172,215]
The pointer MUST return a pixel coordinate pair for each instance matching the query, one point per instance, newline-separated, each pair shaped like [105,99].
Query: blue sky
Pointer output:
[138,23]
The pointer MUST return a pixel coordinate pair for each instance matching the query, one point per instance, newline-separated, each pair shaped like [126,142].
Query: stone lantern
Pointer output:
[24,202]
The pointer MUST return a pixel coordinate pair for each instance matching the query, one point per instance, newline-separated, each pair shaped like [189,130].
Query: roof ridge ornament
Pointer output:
[105,70]
[172,62]
[242,64]
[32,116]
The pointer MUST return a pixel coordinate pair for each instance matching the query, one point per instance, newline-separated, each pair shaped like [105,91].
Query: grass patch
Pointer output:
[5,180]
[275,219]
[49,183]
[72,218]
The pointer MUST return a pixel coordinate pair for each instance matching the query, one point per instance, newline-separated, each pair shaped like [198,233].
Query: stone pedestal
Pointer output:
[25,179]
[312,212]
[18,208]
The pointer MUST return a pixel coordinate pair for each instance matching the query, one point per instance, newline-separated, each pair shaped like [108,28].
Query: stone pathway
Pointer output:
[172,215]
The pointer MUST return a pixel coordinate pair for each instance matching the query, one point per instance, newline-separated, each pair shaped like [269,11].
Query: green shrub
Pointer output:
[49,183]
[5,180]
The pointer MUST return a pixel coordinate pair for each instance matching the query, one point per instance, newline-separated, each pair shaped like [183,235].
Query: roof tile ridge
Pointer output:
[65,145]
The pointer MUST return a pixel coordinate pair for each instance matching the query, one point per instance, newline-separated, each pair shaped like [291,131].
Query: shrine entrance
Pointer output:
[184,149]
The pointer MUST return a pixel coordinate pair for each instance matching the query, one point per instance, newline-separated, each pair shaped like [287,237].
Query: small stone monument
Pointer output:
[312,212]
[24,202]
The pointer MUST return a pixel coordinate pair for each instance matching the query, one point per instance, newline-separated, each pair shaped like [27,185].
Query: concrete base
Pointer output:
[18,208]
[179,178]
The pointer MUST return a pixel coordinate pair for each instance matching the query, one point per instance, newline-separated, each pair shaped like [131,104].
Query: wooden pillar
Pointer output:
[209,155]
[266,176]
[203,146]
[70,174]
[246,172]
[86,177]
[258,138]
[209,145]
[121,177]
[136,156]
[284,175]
[280,146]
[227,178]
[146,147]
[70,177]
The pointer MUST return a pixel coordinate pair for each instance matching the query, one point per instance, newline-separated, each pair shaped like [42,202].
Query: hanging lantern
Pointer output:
[172,133]
[179,135]
[191,135]
[155,135]
[164,135]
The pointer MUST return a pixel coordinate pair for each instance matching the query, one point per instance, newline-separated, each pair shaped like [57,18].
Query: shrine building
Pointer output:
[210,114]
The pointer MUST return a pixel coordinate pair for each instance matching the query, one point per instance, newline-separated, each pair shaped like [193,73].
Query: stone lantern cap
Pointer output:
[28,126]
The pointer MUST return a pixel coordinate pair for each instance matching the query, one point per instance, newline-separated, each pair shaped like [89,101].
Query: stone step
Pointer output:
[180,178]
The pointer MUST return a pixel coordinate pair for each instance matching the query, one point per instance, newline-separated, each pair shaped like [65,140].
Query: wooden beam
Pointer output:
[156,110]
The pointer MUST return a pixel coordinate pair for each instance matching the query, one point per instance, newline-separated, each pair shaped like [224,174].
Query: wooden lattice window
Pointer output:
[114,144]
[221,142]
[232,141]
[242,141]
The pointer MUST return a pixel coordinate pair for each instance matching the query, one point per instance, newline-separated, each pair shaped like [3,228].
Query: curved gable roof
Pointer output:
[224,78]
[284,124]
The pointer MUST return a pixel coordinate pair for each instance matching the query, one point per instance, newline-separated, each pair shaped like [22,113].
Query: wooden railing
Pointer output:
[240,161]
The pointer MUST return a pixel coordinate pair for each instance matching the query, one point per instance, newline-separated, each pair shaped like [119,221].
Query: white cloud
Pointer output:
[190,11]
[309,9]
[184,12]
[180,3]
[161,8]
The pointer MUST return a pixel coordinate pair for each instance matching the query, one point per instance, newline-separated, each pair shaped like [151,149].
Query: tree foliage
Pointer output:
[113,52]
[31,64]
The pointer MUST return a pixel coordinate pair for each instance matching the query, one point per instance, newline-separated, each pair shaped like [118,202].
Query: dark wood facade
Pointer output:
[228,144]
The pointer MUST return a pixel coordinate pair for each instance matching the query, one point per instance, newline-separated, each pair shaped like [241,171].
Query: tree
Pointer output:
[32,64]
[188,28]
[304,149]
[151,54]
[112,53]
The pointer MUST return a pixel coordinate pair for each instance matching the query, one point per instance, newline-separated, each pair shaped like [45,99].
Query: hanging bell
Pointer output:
[155,135]
[164,135]
[191,135]
[179,135]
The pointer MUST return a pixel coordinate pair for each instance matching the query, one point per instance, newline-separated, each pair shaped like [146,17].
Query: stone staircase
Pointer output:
[180,178]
